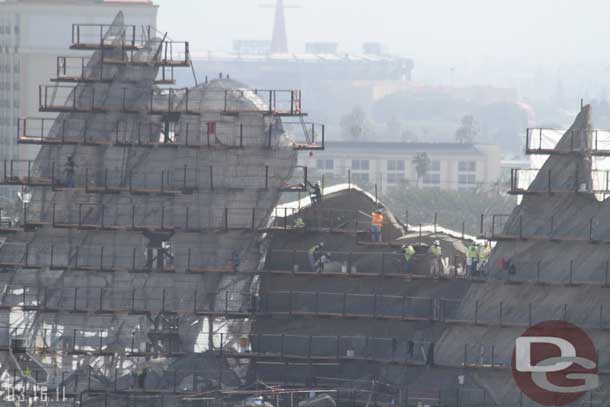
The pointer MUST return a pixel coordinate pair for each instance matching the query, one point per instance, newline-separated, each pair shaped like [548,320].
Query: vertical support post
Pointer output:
[211,177]
[349,179]
[521,227]
[476,313]
[266,177]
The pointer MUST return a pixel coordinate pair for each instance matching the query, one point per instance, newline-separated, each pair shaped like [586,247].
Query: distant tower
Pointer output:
[279,41]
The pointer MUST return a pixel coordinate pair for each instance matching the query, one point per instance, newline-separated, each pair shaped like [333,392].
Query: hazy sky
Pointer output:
[492,37]
[424,28]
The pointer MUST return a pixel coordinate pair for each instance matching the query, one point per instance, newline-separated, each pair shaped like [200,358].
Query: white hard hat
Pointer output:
[437,243]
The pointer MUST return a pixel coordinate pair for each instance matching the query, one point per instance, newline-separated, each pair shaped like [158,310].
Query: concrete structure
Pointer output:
[452,165]
[150,198]
[32,35]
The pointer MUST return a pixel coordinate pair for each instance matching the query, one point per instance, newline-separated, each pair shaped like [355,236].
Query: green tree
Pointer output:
[421,161]
[355,124]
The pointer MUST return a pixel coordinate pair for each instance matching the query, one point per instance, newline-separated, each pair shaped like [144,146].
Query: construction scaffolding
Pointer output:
[149,200]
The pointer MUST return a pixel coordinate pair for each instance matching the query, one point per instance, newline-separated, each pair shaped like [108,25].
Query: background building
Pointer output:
[452,166]
[32,34]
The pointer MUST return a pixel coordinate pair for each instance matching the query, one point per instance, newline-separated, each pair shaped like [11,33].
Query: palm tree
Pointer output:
[421,161]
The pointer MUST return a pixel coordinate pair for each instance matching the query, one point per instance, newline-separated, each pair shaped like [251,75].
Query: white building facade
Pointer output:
[452,166]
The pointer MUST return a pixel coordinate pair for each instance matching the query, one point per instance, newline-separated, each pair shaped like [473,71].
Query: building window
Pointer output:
[395,177]
[467,166]
[360,165]
[396,165]
[360,178]
[432,178]
[396,171]
[435,166]
[325,165]
[467,177]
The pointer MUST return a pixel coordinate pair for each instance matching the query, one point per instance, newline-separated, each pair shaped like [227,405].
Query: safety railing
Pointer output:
[98,36]
[270,101]
[170,54]
[137,301]
[306,136]
[172,101]
[545,141]
[339,220]
[347,305]
[216,135]
[299,184]
[186,180]
[77,69]
[522,227]
[354,263]
[66,99]
[519,314]
[141,218]
[569,274]
[23,172]
[6,222]
[522,179]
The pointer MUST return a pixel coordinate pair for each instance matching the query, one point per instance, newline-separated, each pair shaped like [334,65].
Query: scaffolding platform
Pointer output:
[543,141]
[68,99]
[107,36]
[521,182]
[307,135]
[45,131]
[171,54]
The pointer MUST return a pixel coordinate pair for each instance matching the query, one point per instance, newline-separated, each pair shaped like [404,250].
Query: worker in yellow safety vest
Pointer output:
[472,258]
[484,253]
[376,226]
[437,253]
[408,251]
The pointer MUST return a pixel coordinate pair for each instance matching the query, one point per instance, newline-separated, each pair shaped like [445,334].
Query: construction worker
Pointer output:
[437,252]
[314,256]
[376,226]
[484,253]
[472,258]
[299,223]
[316,193]
[408,251]
[69,171]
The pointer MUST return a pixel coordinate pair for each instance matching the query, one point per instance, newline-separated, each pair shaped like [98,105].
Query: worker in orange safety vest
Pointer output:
[376,226]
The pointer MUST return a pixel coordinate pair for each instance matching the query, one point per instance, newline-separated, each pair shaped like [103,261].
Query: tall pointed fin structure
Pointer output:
[279,41]
[571,172]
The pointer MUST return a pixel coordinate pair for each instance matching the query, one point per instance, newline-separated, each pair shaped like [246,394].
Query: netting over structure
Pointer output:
[149,197]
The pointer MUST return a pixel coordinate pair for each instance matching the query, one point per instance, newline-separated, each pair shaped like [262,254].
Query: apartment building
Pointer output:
[452,166]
